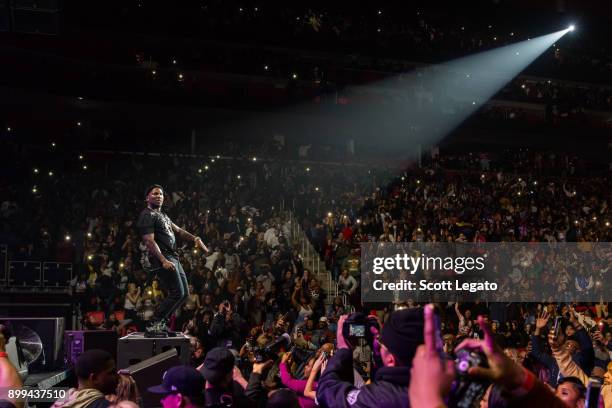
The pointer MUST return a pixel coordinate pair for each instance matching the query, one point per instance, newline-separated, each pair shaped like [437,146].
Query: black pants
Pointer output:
[176,284]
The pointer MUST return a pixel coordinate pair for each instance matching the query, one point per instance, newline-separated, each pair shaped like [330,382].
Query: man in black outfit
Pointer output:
[157,231]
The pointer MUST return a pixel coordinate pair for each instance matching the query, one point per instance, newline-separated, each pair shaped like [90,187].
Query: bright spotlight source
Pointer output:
[571,27]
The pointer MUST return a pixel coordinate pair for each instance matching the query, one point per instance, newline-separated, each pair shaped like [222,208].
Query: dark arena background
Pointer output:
[187,187]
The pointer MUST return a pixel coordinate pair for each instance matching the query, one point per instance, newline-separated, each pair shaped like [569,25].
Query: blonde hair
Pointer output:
[127,391]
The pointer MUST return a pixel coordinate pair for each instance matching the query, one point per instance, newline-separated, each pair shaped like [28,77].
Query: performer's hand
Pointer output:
[168,265]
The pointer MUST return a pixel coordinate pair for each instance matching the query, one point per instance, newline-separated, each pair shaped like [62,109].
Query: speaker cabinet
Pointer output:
[24,274]
[135,348]
[78,341]
[57,274]
[150,372]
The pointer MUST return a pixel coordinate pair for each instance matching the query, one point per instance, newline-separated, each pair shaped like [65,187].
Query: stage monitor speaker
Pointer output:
[150,372]
[40,339]
[78,341]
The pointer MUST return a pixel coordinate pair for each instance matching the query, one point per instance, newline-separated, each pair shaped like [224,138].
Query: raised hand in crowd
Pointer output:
[541,322]
[431,378]
[501,369]
[317,369]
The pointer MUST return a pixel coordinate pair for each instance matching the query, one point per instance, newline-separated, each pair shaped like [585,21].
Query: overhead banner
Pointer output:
[492,271]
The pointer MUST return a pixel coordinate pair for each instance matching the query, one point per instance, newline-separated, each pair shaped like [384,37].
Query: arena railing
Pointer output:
[312,259]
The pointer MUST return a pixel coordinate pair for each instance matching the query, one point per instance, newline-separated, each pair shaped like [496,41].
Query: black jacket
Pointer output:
[226,333]
[336,389]
[227,398]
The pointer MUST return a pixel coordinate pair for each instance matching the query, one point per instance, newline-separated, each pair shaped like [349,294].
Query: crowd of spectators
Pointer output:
[255,285]
[265,328]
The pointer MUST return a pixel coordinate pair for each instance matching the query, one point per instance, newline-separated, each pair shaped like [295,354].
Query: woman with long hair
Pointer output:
[127,390]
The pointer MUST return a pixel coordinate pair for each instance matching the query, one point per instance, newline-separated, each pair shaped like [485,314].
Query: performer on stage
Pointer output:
[158,233]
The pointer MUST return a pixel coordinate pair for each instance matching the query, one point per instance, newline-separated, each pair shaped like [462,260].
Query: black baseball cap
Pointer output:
[219,362]
[403,333]
[184,379]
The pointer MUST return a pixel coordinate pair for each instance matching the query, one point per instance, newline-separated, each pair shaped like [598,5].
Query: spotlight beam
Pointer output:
[438,98]
[417,109]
